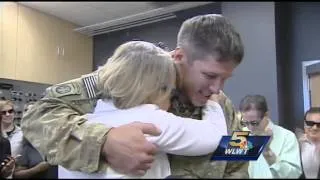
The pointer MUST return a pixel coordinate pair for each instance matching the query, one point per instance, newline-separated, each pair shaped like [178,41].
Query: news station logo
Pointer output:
[240,147]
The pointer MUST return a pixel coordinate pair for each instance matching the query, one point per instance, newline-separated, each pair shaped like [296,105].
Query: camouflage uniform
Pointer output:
[55,126]
[201,166]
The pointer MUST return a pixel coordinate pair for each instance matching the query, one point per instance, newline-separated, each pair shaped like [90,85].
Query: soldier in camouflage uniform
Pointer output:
[209,48]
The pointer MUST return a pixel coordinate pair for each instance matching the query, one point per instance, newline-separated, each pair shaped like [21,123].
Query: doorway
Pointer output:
[311,83]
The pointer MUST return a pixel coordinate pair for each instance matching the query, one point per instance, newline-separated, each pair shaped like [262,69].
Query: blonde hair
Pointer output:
[4,103]
[137,73]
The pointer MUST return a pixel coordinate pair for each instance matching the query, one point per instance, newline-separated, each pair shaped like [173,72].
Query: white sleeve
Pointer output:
[190,137]
[288,164]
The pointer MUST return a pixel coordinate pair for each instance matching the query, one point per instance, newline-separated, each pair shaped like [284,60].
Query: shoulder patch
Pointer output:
[90,83]
[65,89]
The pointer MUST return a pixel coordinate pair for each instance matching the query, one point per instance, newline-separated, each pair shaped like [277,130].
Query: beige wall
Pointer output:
[29,47]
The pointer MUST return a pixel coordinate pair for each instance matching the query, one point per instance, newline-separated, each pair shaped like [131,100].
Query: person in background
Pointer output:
[280,158]
[7,161]
[11,131]
[31,164]
[310,144]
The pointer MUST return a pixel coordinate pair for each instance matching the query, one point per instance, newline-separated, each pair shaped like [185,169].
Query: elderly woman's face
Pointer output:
[7,113]
[253,120]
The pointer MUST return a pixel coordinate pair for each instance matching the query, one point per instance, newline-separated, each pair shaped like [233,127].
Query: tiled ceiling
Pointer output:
[88,13]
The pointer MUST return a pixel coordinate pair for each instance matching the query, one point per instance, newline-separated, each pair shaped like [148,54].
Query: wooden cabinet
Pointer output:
[37,39]
[8,40]
[76,50]
[36,56]
[1,42]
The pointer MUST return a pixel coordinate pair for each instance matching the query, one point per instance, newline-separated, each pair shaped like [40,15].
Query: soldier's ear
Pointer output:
[178,54]
[266,114]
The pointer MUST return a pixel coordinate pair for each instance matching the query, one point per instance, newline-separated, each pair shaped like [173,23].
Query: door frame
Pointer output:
[306,83]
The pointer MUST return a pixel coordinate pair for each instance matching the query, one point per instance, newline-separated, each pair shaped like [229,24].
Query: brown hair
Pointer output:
[312,110]
[210,34]
[256,102]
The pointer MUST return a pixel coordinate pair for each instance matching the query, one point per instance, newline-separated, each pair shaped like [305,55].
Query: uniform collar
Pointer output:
[180,107]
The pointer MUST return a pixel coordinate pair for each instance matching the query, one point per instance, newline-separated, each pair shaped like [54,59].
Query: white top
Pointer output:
[310,158]
[288,164]
[180,136]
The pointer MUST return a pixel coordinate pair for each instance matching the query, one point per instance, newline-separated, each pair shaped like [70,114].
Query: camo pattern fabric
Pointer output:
[202,166]
[55,127]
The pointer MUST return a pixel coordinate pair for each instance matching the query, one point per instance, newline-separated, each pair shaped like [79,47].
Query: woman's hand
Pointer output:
[8,166]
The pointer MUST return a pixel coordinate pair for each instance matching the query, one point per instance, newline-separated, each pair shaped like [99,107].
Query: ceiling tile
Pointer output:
[88,13]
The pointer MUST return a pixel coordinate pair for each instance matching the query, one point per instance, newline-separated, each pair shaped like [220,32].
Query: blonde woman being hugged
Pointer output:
[139,79]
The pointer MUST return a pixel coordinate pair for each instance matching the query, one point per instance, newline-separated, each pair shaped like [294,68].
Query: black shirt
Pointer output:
[31,157]
[5,149]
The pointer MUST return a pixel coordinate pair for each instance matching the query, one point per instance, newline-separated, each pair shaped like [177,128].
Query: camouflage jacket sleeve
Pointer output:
[56,127]
[234,169]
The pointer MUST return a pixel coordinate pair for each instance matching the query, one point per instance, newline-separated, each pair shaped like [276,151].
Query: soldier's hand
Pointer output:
[127,150]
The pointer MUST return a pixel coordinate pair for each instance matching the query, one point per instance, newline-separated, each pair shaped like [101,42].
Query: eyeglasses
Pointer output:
[312,123]
[247,123]
[252,123]
[10,111]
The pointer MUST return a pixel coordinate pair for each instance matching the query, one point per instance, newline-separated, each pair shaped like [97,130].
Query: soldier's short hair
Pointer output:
[210,35]
[137,73]
[312,110]
[254,102]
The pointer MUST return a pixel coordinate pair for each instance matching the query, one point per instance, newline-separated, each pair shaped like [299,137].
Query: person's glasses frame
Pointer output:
[312,123]
[10,111]
[252,123]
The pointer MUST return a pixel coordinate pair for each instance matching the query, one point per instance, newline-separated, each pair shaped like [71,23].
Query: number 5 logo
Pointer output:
[238,137]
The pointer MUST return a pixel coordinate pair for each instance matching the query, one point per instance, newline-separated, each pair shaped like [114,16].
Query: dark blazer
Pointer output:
[5,149]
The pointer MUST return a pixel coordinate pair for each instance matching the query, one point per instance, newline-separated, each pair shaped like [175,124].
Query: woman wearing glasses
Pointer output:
[280,158]
[7,162]
[11,131]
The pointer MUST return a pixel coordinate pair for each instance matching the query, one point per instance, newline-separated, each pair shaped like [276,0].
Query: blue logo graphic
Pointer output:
[240,147]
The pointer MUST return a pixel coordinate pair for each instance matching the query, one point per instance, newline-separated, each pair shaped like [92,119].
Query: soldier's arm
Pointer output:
[56,127]
[57,130]
[235,169]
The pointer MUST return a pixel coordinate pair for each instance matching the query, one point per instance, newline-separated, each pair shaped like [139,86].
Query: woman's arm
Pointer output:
[24,172]
[181,136]
[190,137]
